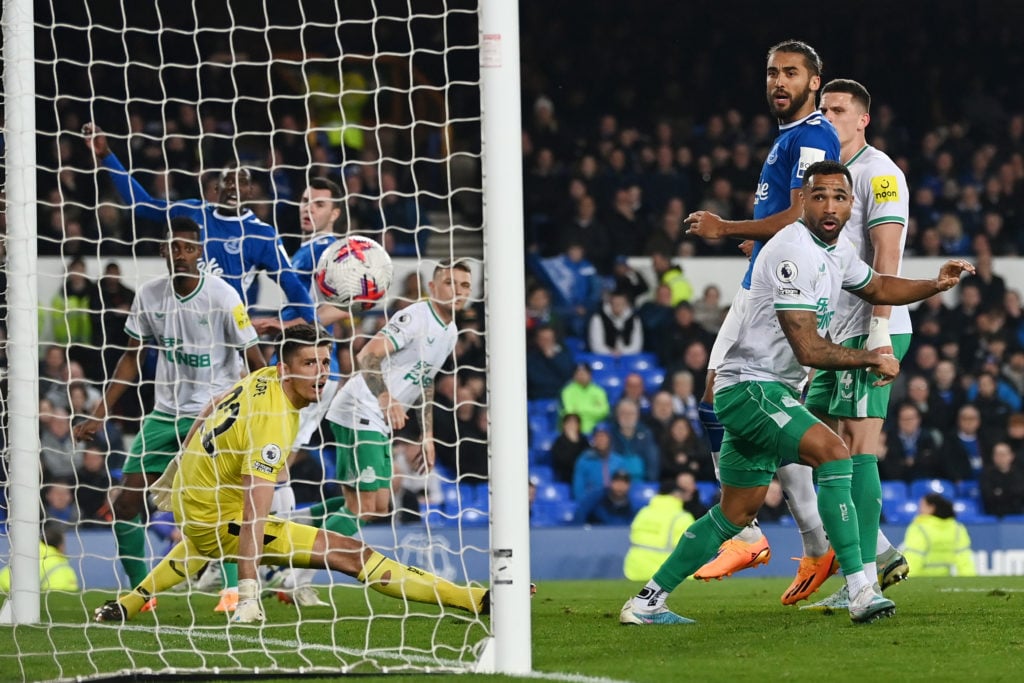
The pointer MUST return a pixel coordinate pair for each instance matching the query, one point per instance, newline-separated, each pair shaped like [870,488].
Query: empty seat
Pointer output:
[638,362]
[922,487]
[642,492]
[544,474]
[708,491]
[554,492]
[894,491]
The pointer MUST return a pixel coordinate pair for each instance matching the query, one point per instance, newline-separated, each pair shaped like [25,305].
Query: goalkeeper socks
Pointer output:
[839,514]
[131,548]
[181,562]
[229,574]
[386,576]
[696,546]
[866,491]
[712,427]
[798,487]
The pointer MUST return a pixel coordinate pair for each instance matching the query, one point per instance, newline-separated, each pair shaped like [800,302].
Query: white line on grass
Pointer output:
[295,645]
[981,590]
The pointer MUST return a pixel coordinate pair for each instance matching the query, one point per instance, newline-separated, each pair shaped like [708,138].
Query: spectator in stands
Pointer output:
[616,329]
[631,437]
[611,506]
[1002,483]
[396,216]
[539,311]
[55,572]
[963,451]
[683,331]
[995,400]
[935,415]
[1012,371]
[627,226]
[56,447]
[660,416]
[695,361]
[548,365]
[71,316]
[583,397]
[1015,434]
[936,544]
[59,502]
[627,279]
[666,272]
[53,371]
[910,448]
[595,466]
[947,388]
[708,311]
[685,401]
[656,317]
[655,531]
[93,484]
[774,507]
[110,306]
[634,389]
[663,181]
[682,451]
[686,484]
[574,284]
[991,287]
[567,448]
[588,233]
[668,237]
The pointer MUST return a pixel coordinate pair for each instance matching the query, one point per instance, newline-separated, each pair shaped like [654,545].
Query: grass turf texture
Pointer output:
[945,629]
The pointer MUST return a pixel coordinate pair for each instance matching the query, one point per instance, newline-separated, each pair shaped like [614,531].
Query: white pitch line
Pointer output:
[981,590]
[455,665]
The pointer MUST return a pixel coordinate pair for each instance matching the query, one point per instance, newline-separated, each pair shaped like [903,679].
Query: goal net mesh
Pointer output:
[381,97]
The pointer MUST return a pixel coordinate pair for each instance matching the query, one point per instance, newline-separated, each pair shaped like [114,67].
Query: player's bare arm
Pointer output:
[125,374]
[711,226]
[801,329]
[427,453]
[96,141]
[892,290]
[368,362]
[255,508]
[254,358]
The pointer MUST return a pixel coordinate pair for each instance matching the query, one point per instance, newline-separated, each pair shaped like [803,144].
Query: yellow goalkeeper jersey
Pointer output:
[250,432]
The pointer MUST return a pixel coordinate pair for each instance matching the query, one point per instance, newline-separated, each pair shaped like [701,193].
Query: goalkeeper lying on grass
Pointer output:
[223,483]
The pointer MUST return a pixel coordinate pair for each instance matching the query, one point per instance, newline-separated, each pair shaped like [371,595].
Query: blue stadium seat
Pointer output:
[546,475]
[921,487]
[1013,519]
[899,512]
[472,517]
[599,362]
[709,492]
[966,508]
[968,489]
[894,491]
[575,346]
[554,492]
[538,456]
[557,513]
[638,362]
[642,492]
[653,379]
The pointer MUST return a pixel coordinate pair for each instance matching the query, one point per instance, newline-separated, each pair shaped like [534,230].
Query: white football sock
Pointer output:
[883,545]
[856,582]
[651,598]
[871,572]
[798,486]
[750,534]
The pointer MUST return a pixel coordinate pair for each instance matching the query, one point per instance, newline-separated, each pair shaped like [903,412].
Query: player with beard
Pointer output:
[793,79]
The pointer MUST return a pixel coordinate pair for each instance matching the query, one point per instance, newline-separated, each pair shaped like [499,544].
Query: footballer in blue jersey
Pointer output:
[793,79]
[236,244]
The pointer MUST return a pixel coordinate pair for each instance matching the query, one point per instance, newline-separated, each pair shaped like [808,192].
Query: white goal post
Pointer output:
[403,118]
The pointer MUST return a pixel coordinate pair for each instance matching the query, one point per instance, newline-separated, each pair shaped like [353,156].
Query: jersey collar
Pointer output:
[195,292]
[430,305]
[794,124]
[224,217]
[826,247]
[857,155]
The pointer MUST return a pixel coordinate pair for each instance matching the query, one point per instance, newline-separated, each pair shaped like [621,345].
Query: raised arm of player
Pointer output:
[368,362]
[125,374]
[712,226]
[813,350]
[894,291]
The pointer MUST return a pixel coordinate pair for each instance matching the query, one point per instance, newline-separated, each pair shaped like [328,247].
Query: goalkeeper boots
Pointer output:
[735,555]
[630,616]
[149,606]
[869,605]
[813,572]
[111,611]
[894,571]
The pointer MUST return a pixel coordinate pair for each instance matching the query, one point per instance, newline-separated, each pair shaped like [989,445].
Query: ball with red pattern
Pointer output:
[354,269]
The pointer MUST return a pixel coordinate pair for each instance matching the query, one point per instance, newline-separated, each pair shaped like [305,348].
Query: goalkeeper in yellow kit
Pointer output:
[223,483]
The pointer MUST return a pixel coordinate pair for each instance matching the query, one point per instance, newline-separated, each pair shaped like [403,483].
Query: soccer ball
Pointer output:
[354,269]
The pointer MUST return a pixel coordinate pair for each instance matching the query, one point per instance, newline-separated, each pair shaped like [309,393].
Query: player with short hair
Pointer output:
[395,370]
[198,323]
[793,297]
[847,400]
[805,136]
[222,487]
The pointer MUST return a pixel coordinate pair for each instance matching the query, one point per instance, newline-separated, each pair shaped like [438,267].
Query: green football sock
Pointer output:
[696,546]
[131,548]
[229,574]
[839,514]
[866,492]
[321,511]
[343,522]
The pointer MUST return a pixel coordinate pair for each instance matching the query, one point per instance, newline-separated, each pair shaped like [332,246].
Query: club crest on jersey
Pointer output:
[271,453]
[233,246]
[786,271]
[773,155]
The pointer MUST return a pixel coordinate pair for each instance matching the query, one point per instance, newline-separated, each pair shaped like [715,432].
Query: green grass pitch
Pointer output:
[944,630]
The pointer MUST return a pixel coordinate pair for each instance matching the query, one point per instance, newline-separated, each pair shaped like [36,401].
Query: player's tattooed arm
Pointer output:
[369,365]
[801,329]
[369,362]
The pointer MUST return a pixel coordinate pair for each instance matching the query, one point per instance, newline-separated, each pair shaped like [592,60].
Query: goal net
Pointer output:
[144,107]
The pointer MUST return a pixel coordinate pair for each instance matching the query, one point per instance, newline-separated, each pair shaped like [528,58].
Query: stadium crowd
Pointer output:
[616,363]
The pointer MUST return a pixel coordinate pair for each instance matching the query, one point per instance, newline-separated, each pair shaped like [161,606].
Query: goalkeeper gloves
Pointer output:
[283,501]
[249,610]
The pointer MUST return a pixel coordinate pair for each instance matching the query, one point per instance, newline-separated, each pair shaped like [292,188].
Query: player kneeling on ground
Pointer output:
[794,288]
[222,486]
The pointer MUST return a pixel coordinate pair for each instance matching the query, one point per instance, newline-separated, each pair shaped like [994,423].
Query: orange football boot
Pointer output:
[813,572]
[735,555]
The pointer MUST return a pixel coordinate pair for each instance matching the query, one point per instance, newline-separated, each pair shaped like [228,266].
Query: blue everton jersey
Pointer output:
[800,144]
[304,262]
[234,247]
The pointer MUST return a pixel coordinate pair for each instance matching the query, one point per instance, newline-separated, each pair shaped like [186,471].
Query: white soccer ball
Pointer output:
[354,269]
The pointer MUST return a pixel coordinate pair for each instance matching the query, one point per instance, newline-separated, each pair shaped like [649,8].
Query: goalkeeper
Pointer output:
[223,483]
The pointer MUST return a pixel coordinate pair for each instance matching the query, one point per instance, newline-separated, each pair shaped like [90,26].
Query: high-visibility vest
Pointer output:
[55,573]
[653,536]
[938,547]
